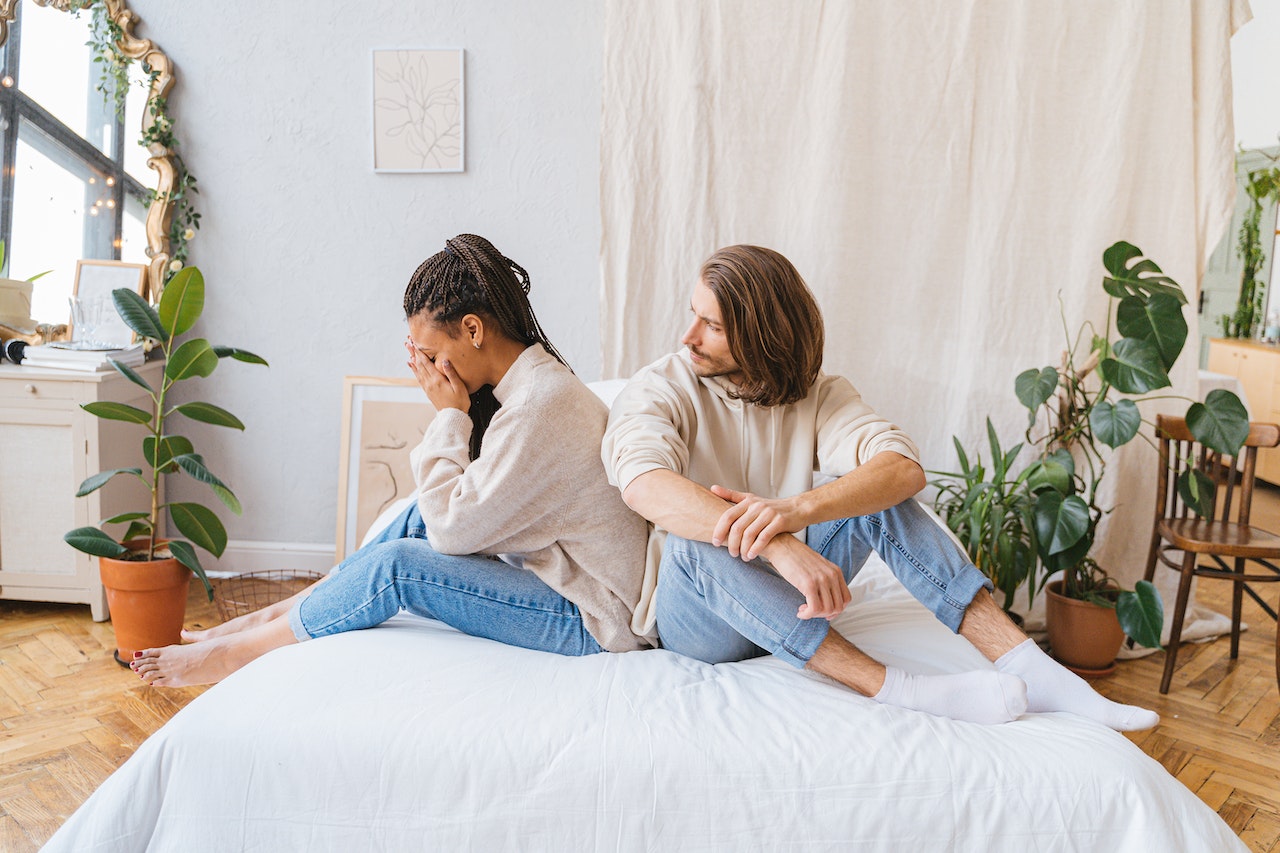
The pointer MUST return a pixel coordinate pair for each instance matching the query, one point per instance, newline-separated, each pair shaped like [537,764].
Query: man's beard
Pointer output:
[709,368]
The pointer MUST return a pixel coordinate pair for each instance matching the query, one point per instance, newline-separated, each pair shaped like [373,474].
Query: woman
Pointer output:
[516,534]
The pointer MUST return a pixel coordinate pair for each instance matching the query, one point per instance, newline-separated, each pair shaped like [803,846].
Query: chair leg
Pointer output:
[1152,553]
[1237,595]
[1179,613]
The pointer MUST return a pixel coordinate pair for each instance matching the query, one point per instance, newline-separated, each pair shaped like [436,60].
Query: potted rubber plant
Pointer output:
[1087,407]
[147,577]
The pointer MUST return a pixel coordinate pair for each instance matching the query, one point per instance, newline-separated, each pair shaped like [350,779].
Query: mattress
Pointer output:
[413,736]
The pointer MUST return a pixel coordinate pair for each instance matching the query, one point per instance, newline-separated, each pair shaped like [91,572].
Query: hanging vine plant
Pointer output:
[1262,186]
[106,40]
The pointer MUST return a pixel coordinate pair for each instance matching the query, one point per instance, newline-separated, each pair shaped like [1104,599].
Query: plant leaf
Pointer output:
[93,541]
[1197,491]
[182,301]
[132,375]
[185,554]
[210,414]
[161,456]
[1114,424]
[1221,422]
[137,314]
[1136,368]
[137,529]
[193,464]
[1158,320]
[1141,614]
[117,412]
[240,355]
[1060,521]
[1142,279]
[193,358]
[125,516]
[97,481]
[1034,387]
[200,525]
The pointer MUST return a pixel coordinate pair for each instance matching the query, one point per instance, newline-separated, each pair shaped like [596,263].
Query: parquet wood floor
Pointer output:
[69,715]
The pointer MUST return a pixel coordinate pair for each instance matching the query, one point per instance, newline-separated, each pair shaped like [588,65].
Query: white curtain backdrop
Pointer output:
[942,172]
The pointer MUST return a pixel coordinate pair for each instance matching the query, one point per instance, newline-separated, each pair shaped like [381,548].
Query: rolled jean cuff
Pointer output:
[802,643]
[961,590]
[295,623]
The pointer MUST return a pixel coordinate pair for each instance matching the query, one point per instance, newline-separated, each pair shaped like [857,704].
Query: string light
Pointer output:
[6,81]
[111,182]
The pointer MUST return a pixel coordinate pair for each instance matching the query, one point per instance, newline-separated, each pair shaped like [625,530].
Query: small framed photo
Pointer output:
[95,323]
[418,110]
[383,419]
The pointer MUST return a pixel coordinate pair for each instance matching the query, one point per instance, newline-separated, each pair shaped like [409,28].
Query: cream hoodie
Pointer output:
[669,417]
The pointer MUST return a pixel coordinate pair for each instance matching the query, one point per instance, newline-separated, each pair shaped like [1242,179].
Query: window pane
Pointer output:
[54,220]
[135,156]
[56,69]
[133,244]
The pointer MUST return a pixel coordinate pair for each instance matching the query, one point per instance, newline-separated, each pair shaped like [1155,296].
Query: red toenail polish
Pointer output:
[137,655]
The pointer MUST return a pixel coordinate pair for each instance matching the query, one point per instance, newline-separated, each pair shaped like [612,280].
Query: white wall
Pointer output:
[306,251]
[1255,73]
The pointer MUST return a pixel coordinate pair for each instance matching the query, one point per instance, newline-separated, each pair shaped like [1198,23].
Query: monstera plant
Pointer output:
[1087,406]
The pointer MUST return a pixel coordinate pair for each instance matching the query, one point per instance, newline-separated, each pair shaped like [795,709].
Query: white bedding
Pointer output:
[413,736]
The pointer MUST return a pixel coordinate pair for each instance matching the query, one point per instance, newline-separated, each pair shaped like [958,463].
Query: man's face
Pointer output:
[706,339]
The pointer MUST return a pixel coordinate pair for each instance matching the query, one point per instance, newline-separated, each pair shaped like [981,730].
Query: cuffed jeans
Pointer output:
[482,596]
[717,608]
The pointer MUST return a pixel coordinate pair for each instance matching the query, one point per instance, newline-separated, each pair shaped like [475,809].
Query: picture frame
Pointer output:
[419,110]
[383,419]
[95,279]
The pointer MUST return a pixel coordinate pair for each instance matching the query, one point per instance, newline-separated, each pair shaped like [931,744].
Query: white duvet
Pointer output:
[413,736]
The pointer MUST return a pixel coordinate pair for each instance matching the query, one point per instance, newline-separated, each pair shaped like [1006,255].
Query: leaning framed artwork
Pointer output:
[94,319]
[383,419]
[418,109]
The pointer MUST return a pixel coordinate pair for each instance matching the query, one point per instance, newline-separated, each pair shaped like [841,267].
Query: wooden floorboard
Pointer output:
[69,715]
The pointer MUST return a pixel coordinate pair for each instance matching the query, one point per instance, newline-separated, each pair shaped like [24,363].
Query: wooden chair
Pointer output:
[1223,535]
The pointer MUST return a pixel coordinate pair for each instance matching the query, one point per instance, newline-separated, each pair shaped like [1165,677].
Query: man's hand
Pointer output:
[751,523]
[441,382]
[826,594]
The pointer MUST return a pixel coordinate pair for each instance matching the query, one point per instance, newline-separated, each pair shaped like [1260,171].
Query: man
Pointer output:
[717,445]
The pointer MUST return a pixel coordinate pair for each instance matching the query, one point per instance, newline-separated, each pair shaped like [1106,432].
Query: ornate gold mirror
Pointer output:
[96,163]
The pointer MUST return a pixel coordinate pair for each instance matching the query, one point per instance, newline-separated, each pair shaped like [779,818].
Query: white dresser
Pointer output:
[48,446]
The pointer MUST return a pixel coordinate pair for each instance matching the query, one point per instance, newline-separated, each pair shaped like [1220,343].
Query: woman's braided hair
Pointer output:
[472,277]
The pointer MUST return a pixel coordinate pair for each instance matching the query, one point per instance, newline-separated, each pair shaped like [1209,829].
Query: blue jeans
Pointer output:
[717,608]
[482,596]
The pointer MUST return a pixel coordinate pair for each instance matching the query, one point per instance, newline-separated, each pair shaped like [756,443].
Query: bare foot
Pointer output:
[250,620]
[210,661]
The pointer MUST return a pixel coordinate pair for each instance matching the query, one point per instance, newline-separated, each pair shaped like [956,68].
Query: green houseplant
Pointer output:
[163,451]
[991,511]
[1261,186]
[1087,407]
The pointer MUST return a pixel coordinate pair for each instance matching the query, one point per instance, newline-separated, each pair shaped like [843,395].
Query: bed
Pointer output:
[414,736]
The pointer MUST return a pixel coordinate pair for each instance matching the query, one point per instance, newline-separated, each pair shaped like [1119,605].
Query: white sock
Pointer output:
[981,696]
[1053,687]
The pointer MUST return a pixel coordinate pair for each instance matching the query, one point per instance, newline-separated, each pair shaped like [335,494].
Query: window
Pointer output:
[74,182]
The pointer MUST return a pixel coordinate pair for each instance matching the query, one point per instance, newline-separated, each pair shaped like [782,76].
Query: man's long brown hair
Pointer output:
[771,320]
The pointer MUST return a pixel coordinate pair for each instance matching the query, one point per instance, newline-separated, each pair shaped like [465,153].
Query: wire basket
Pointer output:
[236,596]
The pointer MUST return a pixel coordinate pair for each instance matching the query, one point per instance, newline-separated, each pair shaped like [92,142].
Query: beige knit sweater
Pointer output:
[538,495]
[669,417]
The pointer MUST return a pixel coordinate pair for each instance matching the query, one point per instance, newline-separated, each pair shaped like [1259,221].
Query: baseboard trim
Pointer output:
[244,555]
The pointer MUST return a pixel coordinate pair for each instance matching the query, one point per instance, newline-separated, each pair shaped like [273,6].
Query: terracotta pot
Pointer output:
[1084,637]
[147,600]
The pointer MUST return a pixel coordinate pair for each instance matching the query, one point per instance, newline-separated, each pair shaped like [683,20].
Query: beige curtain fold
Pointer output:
[944,173]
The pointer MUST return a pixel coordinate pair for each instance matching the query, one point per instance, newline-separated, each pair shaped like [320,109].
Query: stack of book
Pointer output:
[73,356]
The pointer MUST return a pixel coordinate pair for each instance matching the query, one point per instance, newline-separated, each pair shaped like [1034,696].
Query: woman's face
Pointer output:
[434,341]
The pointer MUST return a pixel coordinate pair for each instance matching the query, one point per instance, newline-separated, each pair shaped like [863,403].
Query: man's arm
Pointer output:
[746,528]
[681,506]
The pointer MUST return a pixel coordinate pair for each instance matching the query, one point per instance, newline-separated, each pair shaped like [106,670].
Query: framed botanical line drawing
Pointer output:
[383,419]
[93,310]
[418,110]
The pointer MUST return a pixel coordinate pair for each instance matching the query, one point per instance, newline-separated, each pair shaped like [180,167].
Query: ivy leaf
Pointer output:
[1136,367]
[1034,387]
[1114,424]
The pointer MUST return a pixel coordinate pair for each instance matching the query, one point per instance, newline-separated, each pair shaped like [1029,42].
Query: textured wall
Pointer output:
[306,251]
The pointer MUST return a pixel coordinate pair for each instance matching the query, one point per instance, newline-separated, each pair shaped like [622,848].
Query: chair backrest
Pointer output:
[1179,450]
